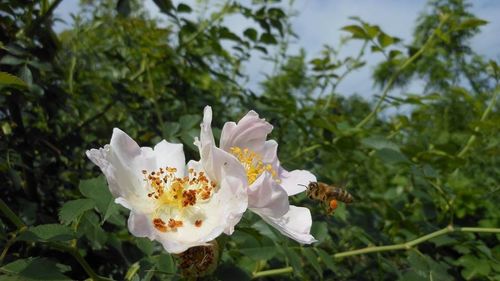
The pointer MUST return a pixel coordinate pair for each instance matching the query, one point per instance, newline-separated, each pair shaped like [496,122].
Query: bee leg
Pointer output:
[332,206]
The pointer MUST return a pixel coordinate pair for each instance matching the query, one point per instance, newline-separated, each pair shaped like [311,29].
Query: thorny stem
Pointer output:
[21,226]
[486,112]
[377,249]
[394,76]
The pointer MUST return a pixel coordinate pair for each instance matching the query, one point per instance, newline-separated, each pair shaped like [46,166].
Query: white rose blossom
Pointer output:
[268,184]
[178,206]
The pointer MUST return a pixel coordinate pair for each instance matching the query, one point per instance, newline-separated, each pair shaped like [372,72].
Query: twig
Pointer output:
[486,112]
[394,76]
[377,249]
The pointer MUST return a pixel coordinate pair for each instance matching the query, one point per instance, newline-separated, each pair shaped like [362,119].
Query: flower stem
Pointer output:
[394,76]
[376,249]
[11,215]
[486,112]
[271,272]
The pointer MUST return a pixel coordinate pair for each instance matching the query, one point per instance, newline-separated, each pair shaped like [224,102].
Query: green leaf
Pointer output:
[183,8]
[91,228]
[7,79]
[97,190]
[293,259]
[40,269]
[26,75]
[313,260]
[391,156]
[72,210]
[11,60]
[327,260]
[320,230]
[146,245]
[474,267]
[47,232]
[259,253]
[165,263]
[268,38]
[379,142]
[356,31]
[385,40]
[472,23]
[189,121]
[251,33]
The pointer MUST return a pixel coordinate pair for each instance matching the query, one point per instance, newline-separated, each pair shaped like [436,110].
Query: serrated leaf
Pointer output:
[259,253]
[379,142]
[71,210]
[48,232]
[294,260]
[327,259]
[319,230]
[91,228]
[7,79]
[40,269]
[313,260]
[474,267]
[97,190]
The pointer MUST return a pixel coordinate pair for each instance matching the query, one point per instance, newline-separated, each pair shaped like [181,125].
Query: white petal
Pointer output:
[140,225]
[270,153]
[250,132]
[122,162]
[206,135]
[213,158]
[295,224]
[220,214]
[295,182]
[170,155]
[268,196]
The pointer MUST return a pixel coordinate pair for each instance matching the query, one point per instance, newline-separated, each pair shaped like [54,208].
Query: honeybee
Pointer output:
[328,194]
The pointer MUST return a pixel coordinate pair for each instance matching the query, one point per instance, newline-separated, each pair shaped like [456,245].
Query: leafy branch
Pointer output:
[395,247]
[486,112]
[394,76]
[72,250]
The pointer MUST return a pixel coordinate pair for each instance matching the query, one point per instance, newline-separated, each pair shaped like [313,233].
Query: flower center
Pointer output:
[176,198]
[252,162]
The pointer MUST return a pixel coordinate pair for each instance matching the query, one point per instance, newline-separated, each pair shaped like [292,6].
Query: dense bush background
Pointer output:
[435,164]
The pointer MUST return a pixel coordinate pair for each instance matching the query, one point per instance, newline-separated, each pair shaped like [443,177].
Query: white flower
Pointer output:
[269,185]
[177,206]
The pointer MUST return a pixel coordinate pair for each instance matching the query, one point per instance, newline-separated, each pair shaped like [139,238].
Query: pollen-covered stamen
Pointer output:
[174,224]
[253,164]
[172,195]
[160,224]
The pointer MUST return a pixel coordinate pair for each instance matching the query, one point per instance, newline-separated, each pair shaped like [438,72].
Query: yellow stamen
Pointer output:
[252,162]
[170,192]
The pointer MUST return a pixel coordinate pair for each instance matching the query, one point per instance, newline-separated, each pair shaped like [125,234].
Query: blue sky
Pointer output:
[319,22]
